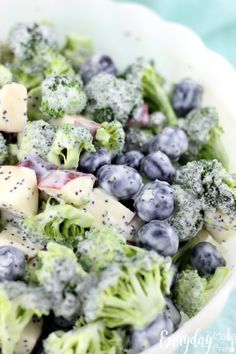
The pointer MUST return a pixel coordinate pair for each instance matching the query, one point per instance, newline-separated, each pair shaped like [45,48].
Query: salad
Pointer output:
[114,197]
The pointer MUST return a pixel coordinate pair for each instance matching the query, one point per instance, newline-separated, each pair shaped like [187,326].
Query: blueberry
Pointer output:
[142,339]
[131,158]
[62,323]
[121,181]
[157,165]
[206,258]
[172,141]
[155,201]
[90,162]
[97,64]
[12,263]
[186,96]
[173,313]
[160,237]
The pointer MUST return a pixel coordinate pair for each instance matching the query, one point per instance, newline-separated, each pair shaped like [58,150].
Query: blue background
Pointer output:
[215,22]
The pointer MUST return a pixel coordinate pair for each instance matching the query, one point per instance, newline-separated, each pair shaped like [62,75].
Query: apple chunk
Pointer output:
[79,121]
[18,190]
[107,210]
[71,187]
[30,337]
[13,108]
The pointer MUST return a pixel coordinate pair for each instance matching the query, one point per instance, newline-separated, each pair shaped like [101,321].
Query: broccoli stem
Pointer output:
[154,92]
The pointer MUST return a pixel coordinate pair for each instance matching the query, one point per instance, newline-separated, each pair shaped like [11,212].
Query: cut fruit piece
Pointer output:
[71,187]
[18,190]
[30,337]
[13,108]
[77,120]
[220,226]
[109,211]
[12,236]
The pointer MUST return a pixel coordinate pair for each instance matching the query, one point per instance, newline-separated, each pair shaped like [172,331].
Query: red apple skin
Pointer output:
[40,166]
[141,118]
[87,123]
[57,179]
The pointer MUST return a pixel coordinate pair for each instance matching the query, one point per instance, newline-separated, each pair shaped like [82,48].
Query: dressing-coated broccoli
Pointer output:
[77,50]
[100,248]
[5,75]
[110,98]
[3,149]
[211,182]
[60,223]
[37,137]
[187,219]
[18,304]
[110,135]
[130,292]
[137,139]
[203,131]
[62,95]
[27,40]
[144,75]
[92,338]
[58,272]
[68,143]
[192,291]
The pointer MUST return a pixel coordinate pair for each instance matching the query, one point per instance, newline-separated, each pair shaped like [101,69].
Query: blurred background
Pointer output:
[215,22]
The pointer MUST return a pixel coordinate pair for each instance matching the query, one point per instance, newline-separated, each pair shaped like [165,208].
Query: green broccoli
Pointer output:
[192,291]
[6,55]
[37,137]
[187,219]
[137,139]
[144,76]
[5,75]
[18,304]
[130,292]
[92,338]
[100,248]
[26,75]
[62,95]
[34,104]
[3,149]
[203,130]
[111,99]
[110,135]
[60,223]
[217,188]
[77,50]
[68,143]
[57,64]
[59,273]
[27,40]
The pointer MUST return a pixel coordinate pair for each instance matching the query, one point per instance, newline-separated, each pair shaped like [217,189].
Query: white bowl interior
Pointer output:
[128,31]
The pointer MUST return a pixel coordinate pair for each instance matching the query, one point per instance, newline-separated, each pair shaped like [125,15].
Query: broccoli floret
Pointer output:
[18,304]
[68,143]
[77,50]
[62,95]
[137,139]
[5,75]
[130,292]
[100,248]
[93,338]
[110,135]
[59,273]
[3,149]
[26,75]
[37,137]
[211,182]
[203,130]
[111,99]
[143,74]
[60,223]
[57,64]
[27,40]
[187,218]
[192,291]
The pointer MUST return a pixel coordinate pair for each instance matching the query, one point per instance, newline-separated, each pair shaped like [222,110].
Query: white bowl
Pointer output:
[128,31]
